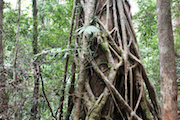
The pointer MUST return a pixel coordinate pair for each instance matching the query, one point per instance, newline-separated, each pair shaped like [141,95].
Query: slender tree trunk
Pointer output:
[15,58]
[66,65]
[167,62]
[70,93]
[3,94]
[34,110]
[89,7]
[63,90]
[16,44]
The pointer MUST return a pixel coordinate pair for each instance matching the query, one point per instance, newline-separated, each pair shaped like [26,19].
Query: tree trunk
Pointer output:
[71,92]
[167,62]
[3,94]
[66,70]
[34,110]
[15,58]
[111,75]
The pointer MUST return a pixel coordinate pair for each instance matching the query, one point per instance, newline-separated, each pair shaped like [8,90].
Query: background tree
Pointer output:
[167,61]
[3,94]
[34,109]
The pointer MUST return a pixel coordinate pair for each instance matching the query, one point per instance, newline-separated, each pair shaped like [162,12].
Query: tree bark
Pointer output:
[89,6]
[34,110]
[3,94]
[167,62]
[111,74]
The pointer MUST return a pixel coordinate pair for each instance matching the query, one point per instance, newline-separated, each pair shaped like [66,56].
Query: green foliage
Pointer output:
[54,23]
[146,26]
[146,21]
[53,27]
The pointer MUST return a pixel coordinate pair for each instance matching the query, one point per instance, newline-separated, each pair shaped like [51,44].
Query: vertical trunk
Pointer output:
[15,57]
[63,89]
[35,24]
[66,65]
[167,61]
[34,110]
[3,94]
[89,7]
[71,91]
[16,44]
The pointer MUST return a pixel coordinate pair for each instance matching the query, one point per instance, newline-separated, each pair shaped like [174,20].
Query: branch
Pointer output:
[101,9]
[119,57]
[108,53]
[89,91]
[111,38]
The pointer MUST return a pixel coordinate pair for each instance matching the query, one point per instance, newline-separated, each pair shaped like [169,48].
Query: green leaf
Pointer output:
[80,30]
[53,51]
[90,29]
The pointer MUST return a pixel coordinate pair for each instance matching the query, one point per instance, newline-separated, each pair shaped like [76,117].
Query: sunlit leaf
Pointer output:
[90,29]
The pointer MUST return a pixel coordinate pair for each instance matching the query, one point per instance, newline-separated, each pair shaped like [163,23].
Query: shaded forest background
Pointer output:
[53,20]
